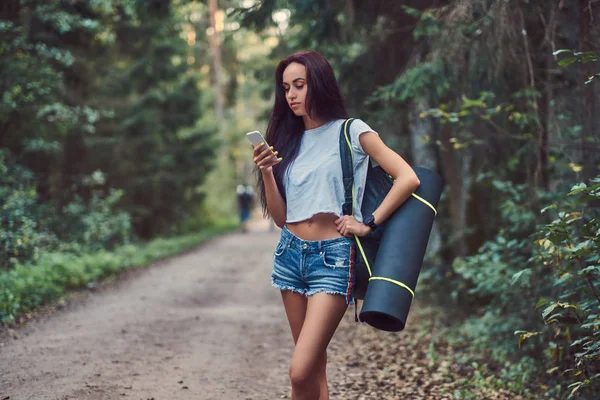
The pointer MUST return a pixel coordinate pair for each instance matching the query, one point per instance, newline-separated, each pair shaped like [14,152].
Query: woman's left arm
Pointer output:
[406,182]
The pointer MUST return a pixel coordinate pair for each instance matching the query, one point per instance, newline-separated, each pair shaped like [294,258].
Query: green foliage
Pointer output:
[28,228]
[568,253]
[21,239]
[96,86]
[467,110]
[96,224]
[560,262]
[423,80]
[578,57]
[428,25]
[490,279]
[157,122]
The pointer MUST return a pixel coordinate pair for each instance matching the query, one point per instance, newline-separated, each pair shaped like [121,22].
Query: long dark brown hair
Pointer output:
[323,103]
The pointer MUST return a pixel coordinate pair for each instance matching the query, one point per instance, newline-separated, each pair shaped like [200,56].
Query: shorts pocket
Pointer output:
[280,249]
[336,257]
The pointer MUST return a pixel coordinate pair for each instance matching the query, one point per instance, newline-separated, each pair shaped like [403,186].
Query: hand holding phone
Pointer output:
[264,156]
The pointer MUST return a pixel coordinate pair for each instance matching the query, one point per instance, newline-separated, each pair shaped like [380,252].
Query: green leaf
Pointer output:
[591,325]
[548,310]
[550,207]
[565,62]
[413,12]
[562,51]
[579,341]
[575,389]
[518,275]
[590,269]
[553,369]
[591,78]
[526,335]
[578,188]
[541,302]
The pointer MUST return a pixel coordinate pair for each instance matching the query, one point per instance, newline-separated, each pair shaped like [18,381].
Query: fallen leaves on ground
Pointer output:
[413,365]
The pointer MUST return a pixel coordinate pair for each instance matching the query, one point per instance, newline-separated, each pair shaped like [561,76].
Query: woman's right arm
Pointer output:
[265,160]
[275,202]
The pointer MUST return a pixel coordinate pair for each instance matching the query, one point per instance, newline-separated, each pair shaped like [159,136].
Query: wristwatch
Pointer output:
[370,222]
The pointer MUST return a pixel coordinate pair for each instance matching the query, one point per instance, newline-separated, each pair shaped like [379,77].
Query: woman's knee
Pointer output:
[304,371]
[301,374]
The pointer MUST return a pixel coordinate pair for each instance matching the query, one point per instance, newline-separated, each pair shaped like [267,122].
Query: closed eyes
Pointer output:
[287,88]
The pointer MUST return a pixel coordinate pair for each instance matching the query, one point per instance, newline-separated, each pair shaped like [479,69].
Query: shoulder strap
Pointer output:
[347,168]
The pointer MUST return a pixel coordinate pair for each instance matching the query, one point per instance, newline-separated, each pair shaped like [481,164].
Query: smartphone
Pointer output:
[256,138]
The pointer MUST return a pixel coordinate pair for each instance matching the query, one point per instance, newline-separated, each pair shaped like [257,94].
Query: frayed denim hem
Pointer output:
[287,287]
[349,301]
[308,294]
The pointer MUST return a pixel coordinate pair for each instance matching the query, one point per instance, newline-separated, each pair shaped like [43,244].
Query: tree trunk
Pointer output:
[455,168]
[215,46]
[423,155]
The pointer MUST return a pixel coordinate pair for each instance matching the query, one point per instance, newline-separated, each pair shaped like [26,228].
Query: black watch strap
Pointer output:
[370,222]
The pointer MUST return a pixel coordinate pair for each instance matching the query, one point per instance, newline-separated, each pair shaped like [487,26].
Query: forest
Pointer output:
[122,140]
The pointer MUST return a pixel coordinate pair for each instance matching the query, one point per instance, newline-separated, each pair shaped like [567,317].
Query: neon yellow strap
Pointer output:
[426,202]
[363,254]
[351,152]
[380,278]
[346,134]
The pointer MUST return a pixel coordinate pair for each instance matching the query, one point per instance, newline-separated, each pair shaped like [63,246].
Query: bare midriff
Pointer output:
[318,227]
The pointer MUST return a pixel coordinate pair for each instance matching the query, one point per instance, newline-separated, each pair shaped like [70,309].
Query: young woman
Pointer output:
[303,192]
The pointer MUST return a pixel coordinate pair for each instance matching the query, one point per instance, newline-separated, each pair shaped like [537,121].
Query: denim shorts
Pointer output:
[308,267]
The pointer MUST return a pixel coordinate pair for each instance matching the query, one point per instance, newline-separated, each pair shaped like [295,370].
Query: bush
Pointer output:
[96,224]
[20,237]
[28,228]
[568,252]
[486,281]
[556,269]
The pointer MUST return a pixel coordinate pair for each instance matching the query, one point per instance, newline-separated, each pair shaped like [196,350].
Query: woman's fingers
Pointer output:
[348,226]
[265,152]
[343,226]
[268,159]
[263,156]
[341,219]
[269,163]
[258,149]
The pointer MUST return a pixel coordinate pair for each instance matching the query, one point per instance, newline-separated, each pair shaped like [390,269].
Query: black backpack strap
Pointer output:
[347,168]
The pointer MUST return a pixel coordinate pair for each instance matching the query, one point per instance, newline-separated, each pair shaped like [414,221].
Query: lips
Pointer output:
[294,104]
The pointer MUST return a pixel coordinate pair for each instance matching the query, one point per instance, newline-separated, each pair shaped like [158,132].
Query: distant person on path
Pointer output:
[245,197]
[303,192]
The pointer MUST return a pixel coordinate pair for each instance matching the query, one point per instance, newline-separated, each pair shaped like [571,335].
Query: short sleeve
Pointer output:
[357,128]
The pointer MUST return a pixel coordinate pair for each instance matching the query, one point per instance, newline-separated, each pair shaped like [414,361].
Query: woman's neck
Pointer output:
[310,123]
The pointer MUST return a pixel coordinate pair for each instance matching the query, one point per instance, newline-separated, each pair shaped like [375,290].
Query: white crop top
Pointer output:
[313,181]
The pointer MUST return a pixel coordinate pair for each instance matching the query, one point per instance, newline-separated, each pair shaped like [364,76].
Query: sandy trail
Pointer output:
[204,325]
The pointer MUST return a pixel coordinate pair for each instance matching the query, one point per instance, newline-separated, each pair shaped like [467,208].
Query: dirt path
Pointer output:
[208,325]
[205,325]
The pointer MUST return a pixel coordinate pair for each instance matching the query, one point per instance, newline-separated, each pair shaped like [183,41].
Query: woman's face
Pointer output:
[294,84]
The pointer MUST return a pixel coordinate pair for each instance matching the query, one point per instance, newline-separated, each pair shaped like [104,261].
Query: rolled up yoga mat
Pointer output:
[397,265]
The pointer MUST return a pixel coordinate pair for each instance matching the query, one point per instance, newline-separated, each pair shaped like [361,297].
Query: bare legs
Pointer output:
[313,321]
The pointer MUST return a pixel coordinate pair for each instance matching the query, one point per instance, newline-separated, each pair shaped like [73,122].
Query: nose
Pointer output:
[291,94]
